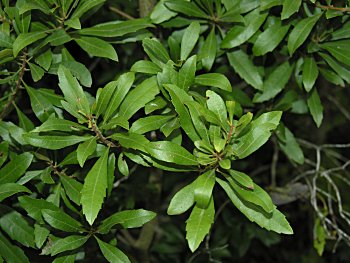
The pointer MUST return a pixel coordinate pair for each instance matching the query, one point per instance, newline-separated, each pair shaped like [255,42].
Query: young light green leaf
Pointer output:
[198,224]
[40,234]
[238,35]
[242,179]
[187,73]
[85,149]
[217,105]
[112,253]
[9,189]
[97,47]
[204,185]
[67,243]
[15,168]
[139,97]
[127,219]
[61,221]
[11,253]
[214,80]
[150,123]
[94,189]
[208,51]
[275,82]
[25,39]
[315,107]
[189,39]
[300,32]
[268,40]
[72,187]
[53,142]
[310,73]
[245,68]
[170,152]
[289,8]
[182,200]
[275,222]
[17,228]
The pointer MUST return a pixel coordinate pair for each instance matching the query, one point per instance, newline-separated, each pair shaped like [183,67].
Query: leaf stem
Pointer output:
[100,136]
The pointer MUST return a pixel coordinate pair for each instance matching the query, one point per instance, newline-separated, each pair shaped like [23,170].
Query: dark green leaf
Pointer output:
[97,47]
[203,188]
[15,168]
[156,51]
[214,80]
[208,51]
[339,49]
[189,39]
[10,252]
[187,73]
[61,221]
[242,179]
[289,8]
[150,123]
[41,234]
[67,243]
[182,200]
[25,39]
[310,73]
[85,149]
[10,189]
[315,107]
[111,253]
[184,7]
[72,187]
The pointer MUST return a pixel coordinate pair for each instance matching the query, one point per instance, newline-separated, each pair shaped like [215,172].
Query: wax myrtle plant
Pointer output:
[66,163]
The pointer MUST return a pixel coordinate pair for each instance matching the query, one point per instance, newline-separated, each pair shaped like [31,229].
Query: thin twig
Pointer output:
[121,13]
[331,7]
[100,136]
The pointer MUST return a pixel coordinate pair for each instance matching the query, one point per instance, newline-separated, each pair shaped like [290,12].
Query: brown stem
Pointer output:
[100,135]
[12,98]
[330,7]
[121,13]
[230,133]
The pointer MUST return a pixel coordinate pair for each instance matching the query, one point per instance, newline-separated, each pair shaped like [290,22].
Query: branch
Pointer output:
[12,98]
[121,13]
[331,7]
[100,136]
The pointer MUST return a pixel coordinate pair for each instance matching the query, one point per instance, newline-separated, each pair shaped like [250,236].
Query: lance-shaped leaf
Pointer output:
[11,253]
[315,107]
[53,142]
[85,149]
[72,188]
[9,189]
[341,70]
[67,243]
[339,49]
[243,179]
[289,144]
[156,51]
[204,185]
[17,228]
[189,39]
[61,221]
[127,219]
[131,140]
[40,234]
[214,80]
[198,224]
[41,106]
[150,123]
[275,221]
[310,73]
[186,8]
[85,6]
[182,200]
[289,8]
[15,168]
[94,189]
[56,124]
[25,39]
[97,47]
[112,253]
[170,152]
[217,105]
[208,51]
[187,73]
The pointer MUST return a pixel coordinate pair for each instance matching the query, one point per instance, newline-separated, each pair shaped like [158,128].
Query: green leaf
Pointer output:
[217,105]
[57,38]
[72,187]
[187,73]
[208,51]
[343,32]
[85,149]
[10,252]
[117,28]
[41,234]
[203,188]
[145,66]
[197,119]
[97,47]
[189,39]
[52,142]
[123,165]
[139,97]
[36,72]
[256,195]
[24,121]
[45,59]
[5,40]
[79,71]
[289,145]
[187,8]
[94,189]
[150,123]
[300,33]
[289,8]
[15,168]
[111,253]
[17,228]
[257,134]
[243,179]
[65,259]
[170,152]
[160,13]
[156,51]
[275,221]
[124,83]
[268,40]
[198,224]
[56,124]
[343,72]
[339,49]
[214,80]
[310,73]
[85,6]
[238,35]
[275,82]
[25,39]
[131,140]
[41,106]
[315,107]
[72,91]
[245,68]
[182,200]
[61,221]
[67,243]
[9,189]
[126,219]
